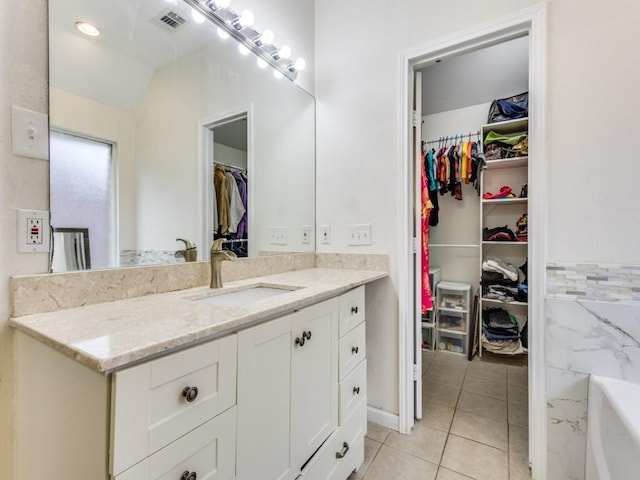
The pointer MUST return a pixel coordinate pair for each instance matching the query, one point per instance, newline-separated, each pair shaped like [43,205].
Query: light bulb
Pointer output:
[243,50]
[262,63]
[223,3]
[277,74]
[285,52]
[88,29]
[247,18]
[222,33]
[300,64]
[267,37]
[197,16]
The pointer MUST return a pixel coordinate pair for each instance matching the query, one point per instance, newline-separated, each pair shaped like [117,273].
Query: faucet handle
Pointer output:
[217,244]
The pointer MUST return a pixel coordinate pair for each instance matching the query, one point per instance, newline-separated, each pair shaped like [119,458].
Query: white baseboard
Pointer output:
[383,418]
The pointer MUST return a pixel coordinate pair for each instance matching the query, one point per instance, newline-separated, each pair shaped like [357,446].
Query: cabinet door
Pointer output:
[264,395]
[314,379]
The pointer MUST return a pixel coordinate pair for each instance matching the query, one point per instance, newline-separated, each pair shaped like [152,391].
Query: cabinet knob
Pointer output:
[343,452]
[300,341]
[355,350]
[190,393]
[356,390]
[354,310]
[307,335]
[187,475]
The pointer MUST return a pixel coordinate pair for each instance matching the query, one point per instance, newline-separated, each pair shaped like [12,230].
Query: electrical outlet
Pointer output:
[325,234]
[306,234]
[359,234]
[33,231]
[278,235]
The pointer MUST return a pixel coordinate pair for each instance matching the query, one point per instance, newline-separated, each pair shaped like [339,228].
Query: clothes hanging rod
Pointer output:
[460,136]
[235,240]
[454,245]
[226,165]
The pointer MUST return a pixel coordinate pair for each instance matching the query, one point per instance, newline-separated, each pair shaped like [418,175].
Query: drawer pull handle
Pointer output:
[356,390]
[300,341]
[355,350]
[187,475]
[354,310]
[190,393]
[343,452]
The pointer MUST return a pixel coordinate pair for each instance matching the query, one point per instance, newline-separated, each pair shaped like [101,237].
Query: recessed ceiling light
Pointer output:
[88,29]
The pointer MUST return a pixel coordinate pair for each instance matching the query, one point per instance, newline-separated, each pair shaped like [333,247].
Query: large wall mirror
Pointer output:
[144,116]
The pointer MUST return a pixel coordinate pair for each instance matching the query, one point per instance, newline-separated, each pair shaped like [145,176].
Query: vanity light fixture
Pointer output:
[241,28]
[88,29]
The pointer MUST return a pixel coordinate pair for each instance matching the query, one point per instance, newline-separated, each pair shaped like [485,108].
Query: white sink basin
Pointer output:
[242,297]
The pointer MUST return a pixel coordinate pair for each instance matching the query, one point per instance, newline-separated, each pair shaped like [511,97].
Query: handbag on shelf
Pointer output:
[509,108]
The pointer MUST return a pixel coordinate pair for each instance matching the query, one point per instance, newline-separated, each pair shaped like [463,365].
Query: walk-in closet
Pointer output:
[475,164]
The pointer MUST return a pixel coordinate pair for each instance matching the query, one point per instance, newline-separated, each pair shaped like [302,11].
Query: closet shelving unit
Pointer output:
[511,172]
[453,317]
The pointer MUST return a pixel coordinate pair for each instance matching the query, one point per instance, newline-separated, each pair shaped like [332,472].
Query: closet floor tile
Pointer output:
[475,460]
[518,414]
[519,468]
[517,394]
[425,442]
[377,432]
[497,390]
[481,405]
[444,474]
[437,415]
[518,441]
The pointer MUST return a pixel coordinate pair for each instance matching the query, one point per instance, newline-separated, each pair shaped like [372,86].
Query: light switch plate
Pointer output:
[29,133]
[278,235]
[359,234]
[33,231]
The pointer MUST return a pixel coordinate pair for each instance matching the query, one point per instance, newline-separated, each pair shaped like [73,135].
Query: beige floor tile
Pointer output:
[440,393]
[518,441]
[444,474]
[485,430]
[517,394]
[481,405]
[518,376]
[435,376]
[475,460]
[425,442]
[392,464]
[487,370]
[519,468]
[437,415]
[371,449]
[497,390]
[518,414]
[377,432]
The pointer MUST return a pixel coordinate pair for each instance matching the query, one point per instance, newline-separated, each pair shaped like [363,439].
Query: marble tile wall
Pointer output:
[592,327]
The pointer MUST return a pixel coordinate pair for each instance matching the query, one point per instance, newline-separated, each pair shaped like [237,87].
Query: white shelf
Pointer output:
[514,162]
[494,300]
[509,126]
[487,242]
[504,201]
[428,325]
[452,332]
[456,310]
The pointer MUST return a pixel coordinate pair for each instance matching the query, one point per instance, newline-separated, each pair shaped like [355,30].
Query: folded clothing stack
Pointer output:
[500,333]
[503,281]
[498,234]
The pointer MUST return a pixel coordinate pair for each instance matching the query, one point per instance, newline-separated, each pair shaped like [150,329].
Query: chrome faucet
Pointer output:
[217,257]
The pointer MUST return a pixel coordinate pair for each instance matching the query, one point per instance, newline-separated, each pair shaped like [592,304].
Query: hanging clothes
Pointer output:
[427,299]
[222,198]
[236,207]
[242,188]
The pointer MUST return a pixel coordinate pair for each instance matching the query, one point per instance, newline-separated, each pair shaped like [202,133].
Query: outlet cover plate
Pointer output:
[325,234]
[359,234]
[306,235]
[33,231]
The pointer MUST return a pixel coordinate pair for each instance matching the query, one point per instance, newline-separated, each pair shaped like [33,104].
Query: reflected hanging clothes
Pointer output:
[427,299]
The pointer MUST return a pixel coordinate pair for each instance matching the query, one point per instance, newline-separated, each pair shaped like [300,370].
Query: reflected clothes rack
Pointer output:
[230,204]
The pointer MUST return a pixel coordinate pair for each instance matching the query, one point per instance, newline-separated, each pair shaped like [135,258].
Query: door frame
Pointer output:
[531,22]
[205,173]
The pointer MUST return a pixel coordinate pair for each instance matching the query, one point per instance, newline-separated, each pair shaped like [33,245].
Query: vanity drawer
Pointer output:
[152,405]
[209,451]
[343,452]
[353,390]
[351,309]
[353,349]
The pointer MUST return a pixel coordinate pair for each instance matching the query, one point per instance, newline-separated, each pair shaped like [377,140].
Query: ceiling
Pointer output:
[476,77]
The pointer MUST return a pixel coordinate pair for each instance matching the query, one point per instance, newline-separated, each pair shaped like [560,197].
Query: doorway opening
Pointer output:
[530,25]
[225,159]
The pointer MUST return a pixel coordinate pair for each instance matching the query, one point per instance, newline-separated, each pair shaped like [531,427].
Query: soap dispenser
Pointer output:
[190,252]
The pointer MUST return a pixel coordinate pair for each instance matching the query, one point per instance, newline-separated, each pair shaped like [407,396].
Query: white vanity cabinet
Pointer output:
[302,398]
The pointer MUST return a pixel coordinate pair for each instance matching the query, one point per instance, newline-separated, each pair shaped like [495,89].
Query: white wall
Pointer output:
[229,155]
[23,181]
[592,99]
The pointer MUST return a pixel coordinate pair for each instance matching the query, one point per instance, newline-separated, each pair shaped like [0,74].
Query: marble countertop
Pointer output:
[108,336]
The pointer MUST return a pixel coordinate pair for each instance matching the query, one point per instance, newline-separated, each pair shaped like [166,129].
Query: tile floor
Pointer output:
[474,425]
